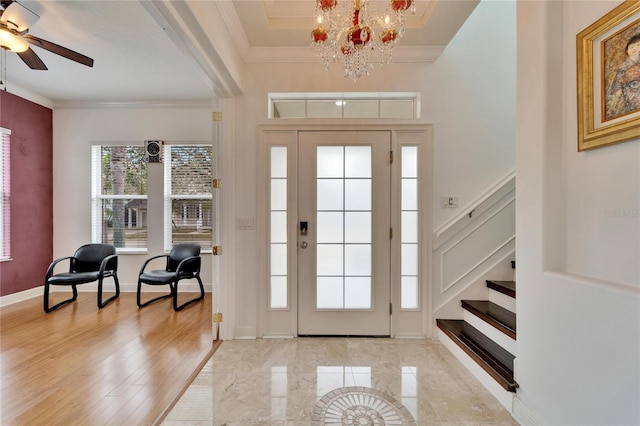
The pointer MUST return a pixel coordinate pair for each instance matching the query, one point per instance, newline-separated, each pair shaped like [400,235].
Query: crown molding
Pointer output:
[29,95]
[197,103]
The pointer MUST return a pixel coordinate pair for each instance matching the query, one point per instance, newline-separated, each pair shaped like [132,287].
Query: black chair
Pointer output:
[89,263]
[183,262]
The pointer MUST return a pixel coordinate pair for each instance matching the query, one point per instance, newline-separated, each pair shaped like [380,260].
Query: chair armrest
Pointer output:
[111,259]
[198,260]
[55,262]
[146,262]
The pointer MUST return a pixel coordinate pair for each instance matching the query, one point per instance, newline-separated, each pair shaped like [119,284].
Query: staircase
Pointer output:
[485,340]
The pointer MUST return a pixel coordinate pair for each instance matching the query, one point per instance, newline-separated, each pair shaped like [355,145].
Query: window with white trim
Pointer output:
[5,196]
[188,195]
[119,196]
[345,105]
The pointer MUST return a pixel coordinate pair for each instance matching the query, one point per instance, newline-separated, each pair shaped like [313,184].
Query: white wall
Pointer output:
[471,99]
[75,130]
[468,93]
[578,281]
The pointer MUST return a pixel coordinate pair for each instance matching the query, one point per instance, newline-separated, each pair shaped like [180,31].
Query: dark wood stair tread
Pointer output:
[504,287]
[493,359]
[499,317]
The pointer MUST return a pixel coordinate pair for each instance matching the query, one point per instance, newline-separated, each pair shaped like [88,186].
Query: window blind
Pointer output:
[5,195]
[187,195]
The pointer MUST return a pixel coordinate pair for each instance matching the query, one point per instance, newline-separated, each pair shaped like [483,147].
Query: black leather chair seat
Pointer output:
[157,277]
[68,278]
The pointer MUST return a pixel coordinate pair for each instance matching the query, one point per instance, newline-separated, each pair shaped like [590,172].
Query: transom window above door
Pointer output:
[392,105]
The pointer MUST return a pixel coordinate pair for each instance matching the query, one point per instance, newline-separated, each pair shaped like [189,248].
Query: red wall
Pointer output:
[31,213]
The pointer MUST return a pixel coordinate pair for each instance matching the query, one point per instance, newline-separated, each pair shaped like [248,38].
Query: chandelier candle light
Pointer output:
[352,33]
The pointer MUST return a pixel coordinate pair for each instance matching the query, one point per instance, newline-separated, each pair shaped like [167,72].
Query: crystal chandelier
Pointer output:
[353,33]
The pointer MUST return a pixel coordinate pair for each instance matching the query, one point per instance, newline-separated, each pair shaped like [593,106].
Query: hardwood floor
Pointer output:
[79,365]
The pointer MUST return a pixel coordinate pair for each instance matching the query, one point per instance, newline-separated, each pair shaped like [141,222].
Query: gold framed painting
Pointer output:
[608,61]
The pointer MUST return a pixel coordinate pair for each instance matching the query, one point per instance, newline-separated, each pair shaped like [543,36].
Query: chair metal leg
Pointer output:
[138,302]
[48,309]
[184,305]
[117,284]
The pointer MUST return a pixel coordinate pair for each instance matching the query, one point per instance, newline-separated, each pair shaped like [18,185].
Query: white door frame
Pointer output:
[415,323]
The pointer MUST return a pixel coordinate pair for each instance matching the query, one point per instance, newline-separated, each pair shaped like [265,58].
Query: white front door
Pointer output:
[344,226]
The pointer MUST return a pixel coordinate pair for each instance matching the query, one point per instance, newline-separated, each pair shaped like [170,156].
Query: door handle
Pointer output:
[303,245]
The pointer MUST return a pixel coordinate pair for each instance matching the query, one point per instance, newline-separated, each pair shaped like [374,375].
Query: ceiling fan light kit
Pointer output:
[15,22]
[11,41]
[353,33]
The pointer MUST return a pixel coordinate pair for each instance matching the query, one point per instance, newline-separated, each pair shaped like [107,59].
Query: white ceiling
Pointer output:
[137,60]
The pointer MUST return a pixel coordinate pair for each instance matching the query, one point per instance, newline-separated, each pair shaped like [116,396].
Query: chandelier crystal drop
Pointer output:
[353,33]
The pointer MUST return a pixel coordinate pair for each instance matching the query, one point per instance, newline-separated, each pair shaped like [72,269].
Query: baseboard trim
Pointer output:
[413,336]
[246,333]
[20,296]
[524,415]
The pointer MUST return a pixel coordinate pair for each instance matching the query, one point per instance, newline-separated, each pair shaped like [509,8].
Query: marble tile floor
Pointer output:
[349,381]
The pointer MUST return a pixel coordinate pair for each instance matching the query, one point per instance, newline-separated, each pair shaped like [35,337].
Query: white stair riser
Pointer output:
[501,299]
[491,332]
[503,396]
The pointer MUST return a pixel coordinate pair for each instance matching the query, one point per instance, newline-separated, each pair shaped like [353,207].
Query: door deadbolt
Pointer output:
[303,245]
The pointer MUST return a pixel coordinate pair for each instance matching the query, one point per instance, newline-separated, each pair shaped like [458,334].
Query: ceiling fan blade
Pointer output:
[32,60]
[59,50]
[18,17]
[5,3]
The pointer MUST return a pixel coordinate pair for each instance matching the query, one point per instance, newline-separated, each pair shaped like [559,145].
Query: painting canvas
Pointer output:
[621,76]
[608,78]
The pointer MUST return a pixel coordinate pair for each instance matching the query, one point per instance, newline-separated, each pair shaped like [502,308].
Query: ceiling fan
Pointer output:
[15,20]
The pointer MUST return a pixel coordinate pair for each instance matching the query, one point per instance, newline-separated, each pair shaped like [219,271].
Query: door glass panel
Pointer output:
[278,290]
[409,194]
[357,292]
[329,293]
[278,162]
[329,260]
[344,214]
[357,227]
[409,259]
[279,227]
[330,161]
[357,194]
[409,161]
[279,259]
[409,293]
[279,194]
[357,161]
[409,238]
[329,194]
[357,259]
[409,227]
[330,227]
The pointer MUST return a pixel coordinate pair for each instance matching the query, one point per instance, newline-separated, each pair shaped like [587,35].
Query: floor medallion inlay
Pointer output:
[360,406]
